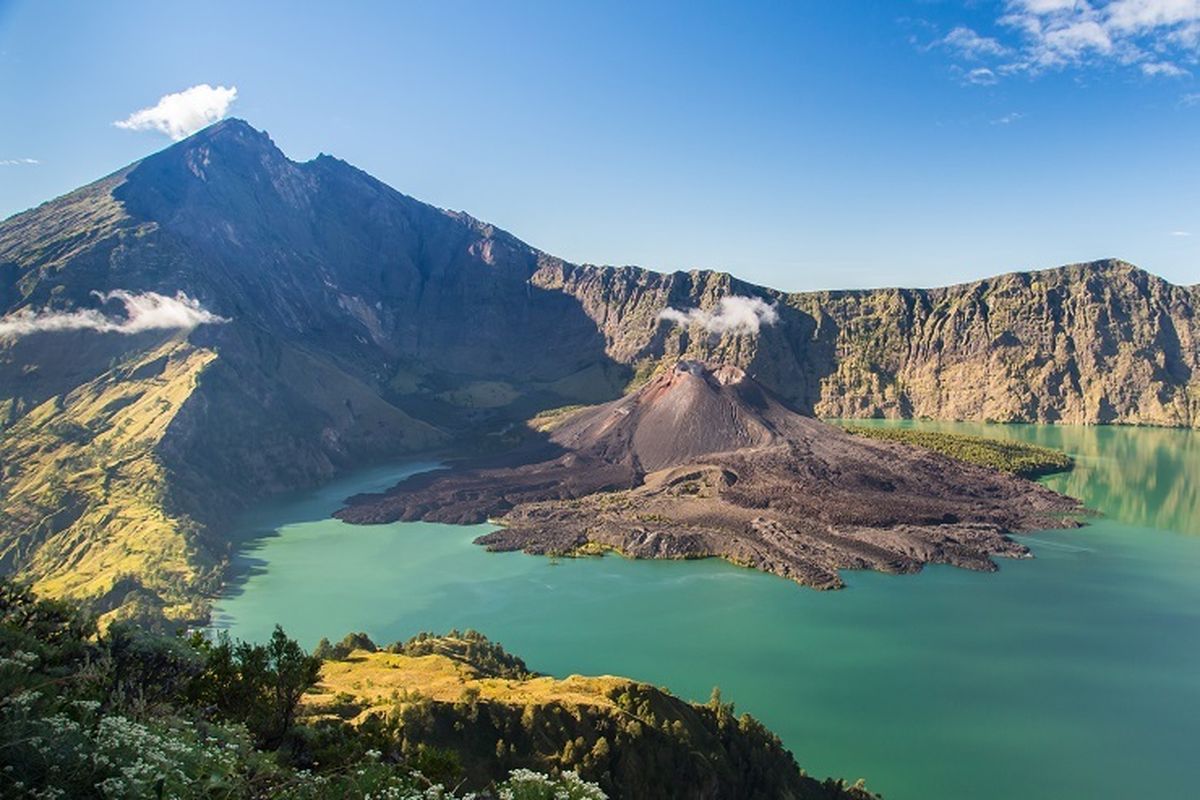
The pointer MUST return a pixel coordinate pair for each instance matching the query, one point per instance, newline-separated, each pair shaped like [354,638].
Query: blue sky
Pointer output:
[801,145]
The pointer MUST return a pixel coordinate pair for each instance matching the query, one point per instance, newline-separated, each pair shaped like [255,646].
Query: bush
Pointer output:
[524,784]
[349,643]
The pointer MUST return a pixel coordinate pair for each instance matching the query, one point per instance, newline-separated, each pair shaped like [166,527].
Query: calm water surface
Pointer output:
[1075,674]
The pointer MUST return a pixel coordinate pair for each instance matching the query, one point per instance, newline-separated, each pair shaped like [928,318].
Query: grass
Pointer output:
[643,371]
[376,681]
[548,420]
[85,483]
[1018,458]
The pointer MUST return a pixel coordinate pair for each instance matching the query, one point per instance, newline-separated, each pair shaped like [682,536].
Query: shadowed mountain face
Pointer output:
[363,324]
[705,462]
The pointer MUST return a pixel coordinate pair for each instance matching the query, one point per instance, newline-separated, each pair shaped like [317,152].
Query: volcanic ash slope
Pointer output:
[706,462]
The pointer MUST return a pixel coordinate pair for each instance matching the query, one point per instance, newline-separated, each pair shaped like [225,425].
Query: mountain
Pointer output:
[703,461]
[262,325]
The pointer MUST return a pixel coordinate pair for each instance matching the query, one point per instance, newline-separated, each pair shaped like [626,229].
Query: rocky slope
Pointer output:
[705,462]
[361,324]
[1102,342]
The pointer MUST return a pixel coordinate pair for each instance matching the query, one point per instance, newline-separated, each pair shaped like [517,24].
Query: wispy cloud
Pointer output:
[734,314]
[19,162]
[1181,233]
[980,76]
[1009,118]
[970,44]
[1192,99]
[183,113]
[139,312]
[1156,37]
[1153,69]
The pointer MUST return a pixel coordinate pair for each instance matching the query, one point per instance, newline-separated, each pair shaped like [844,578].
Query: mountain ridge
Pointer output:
[364,324]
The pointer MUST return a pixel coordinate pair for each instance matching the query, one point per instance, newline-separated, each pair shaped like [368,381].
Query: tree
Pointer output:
[293,672]
[324,650]
[259,685]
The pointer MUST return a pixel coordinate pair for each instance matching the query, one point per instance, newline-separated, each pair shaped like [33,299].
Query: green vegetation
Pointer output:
[462,706]
[546,421]
[643,370]
[1019,458]
[134,714]
[86,512]
[129,713]
[469,647]
[349,643]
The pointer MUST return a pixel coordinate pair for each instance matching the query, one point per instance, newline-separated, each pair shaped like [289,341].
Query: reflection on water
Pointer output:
[1145,477]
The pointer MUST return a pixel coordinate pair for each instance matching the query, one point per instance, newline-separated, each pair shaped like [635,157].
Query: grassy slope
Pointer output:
[1026,460]
[127,482]
[83,488]
[377,681]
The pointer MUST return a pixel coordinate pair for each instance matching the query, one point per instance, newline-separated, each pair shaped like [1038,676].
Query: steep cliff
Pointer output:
[1103,342]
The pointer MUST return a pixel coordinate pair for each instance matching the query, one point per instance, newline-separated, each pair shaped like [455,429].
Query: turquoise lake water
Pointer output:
[1072,675]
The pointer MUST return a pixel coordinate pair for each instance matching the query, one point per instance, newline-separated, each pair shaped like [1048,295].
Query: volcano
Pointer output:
[704,461]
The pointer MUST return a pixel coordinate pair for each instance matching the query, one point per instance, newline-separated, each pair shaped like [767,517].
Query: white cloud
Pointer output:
[1153,69]
[1181,233]
[971,45]
[1009,118]
[183,113]
[734,314]
[1034,36]
[1047,6]
[1074,39]
[19,162]
[142,312]
[1139,15]
[981,76]
[1188,100]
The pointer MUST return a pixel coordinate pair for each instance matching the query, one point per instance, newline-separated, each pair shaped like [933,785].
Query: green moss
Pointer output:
[551,418]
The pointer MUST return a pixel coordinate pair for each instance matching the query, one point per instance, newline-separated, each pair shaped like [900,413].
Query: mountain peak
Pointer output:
[231,129]
[235,142]
[209,179]
[684,413]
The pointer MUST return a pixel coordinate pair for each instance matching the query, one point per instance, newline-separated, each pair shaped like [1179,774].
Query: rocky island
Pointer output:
[704,461]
